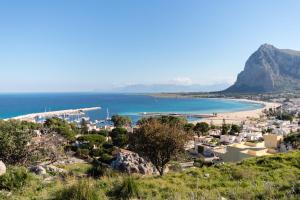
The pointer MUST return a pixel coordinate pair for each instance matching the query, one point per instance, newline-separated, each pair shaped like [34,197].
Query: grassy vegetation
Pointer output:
[78,169]
[272,177]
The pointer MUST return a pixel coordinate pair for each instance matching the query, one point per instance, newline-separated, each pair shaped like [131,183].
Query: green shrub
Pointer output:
[96,152]
[128,189]
[103,133]
[82,190]
[15,178]
[106,158]
[62,127]
[66,132]
[176,167]
[14,137]
[119,137]
[93,139]
[83,153]
[101,169]
[199,162]
[293,139]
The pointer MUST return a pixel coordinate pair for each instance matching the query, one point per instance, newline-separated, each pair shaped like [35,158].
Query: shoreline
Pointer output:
[232,117]
[240,116]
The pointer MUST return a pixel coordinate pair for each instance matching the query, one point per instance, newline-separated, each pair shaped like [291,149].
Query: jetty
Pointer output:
[68,112]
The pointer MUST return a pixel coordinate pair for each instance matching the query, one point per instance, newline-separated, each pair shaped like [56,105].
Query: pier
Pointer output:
[68,112]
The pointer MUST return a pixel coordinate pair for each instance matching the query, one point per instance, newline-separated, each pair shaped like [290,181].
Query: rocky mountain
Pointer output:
[269,69]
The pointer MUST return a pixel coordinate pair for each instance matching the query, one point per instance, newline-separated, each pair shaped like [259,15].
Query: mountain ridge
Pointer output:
[157,88]
[269,69]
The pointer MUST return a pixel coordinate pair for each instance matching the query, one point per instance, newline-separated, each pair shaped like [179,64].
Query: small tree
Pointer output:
[293,139]
[121,121]
[119,137]
[201,128]
[225,128]
[172,120]
[235,129]
[14,139]
[159,142]
[83,126]
[189,127]
[60,126]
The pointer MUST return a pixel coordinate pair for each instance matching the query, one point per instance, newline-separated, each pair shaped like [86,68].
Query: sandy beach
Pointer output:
[240,116]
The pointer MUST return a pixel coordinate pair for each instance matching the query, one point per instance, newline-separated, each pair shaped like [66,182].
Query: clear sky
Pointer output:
[72,45]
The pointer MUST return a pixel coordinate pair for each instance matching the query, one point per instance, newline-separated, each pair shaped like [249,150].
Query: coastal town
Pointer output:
[150,100]
[217,137]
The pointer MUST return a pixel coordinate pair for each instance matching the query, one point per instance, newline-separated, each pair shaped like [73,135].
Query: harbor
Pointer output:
[35,117]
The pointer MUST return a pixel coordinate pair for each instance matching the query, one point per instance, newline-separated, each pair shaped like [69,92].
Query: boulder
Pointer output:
[2,168]
[54,169]
[130,162]
[38,170]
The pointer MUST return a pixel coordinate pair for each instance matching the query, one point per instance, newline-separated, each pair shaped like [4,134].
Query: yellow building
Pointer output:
[239,151]
[272,141]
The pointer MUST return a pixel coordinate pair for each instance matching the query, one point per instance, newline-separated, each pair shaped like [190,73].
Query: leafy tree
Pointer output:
[158,142]
[119,137]
[189,127]
[293,139]
[285,116]
[14,139]
[165,119]
[172,120]
[49,147]
[201,128]
[121,121]
[61,127]
[93,139]
[83,126]
[103,132]
[235,129]
[225,129]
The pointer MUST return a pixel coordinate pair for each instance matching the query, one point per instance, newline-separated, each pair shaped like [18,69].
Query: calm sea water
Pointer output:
[12,105]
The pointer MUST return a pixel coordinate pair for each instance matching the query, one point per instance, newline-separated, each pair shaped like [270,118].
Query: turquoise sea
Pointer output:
[12,105]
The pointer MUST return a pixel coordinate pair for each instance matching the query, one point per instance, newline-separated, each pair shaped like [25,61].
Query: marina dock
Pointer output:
[69,112]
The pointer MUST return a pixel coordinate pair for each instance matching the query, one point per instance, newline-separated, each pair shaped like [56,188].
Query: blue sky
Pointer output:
[89,45]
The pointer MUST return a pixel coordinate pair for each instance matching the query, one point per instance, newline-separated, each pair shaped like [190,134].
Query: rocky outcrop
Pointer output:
[130,162]
[56,170]
[45,169]
[2,168]
[38,170]
[269,69]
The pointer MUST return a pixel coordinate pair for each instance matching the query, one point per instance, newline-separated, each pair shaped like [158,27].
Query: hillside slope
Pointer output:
[271,177]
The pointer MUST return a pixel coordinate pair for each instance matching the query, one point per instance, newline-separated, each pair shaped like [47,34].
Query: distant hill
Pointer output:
[156,88]
[269,69]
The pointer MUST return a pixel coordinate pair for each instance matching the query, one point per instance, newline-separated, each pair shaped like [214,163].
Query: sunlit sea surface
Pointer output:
[132,105]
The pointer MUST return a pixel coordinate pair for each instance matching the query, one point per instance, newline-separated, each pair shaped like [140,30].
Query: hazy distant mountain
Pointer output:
[155,88]
[269,69]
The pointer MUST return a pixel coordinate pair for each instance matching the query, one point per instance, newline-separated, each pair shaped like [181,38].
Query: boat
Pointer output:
[107,115]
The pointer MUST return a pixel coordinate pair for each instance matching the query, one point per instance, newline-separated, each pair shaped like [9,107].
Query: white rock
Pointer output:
[130,162]
[38,170]
[2,168]
[52,168]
